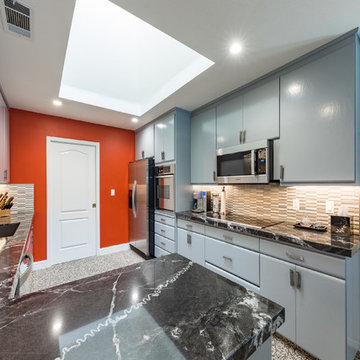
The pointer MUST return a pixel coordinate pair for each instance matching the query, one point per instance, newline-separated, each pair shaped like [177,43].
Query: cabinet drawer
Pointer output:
[164,243]
[236,260]
[160,252]
[326,264]
[246,241]
[191,245]
[165,230]
[232,277]
[191,226]
[167,220]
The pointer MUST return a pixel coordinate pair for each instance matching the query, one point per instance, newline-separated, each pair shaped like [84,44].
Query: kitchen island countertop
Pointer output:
[165,308]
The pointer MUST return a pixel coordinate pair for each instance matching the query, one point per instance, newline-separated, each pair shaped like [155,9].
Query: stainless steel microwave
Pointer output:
[245,164]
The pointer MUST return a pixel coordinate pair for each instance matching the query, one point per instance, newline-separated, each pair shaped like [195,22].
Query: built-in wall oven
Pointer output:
[245,164]
[165,187]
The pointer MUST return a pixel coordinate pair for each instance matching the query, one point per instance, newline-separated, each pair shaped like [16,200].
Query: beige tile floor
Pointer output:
[282,349]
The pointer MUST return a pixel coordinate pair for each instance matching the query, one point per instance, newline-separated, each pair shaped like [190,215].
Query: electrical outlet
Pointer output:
[329,207]
[112,192]
[296,204]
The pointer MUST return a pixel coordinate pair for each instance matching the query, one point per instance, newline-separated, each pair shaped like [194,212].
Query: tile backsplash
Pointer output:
[23,196]
[276,202]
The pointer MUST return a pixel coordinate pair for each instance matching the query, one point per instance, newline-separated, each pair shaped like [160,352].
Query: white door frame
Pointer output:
[50,139]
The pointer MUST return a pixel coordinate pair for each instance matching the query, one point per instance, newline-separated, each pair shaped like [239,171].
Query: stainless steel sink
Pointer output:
[7,230]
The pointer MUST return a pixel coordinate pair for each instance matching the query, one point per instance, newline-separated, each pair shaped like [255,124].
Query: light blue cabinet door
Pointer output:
[165,139]
[169,137]
[229,122]
[317,120]
[191,245]
[261,112]
[144,143]
[320,314]
[203,147]
[275,285]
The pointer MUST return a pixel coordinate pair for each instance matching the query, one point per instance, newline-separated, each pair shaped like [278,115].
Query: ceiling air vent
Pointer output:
[16,17]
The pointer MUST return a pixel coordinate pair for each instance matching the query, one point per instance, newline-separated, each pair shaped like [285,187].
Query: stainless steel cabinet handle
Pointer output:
[188,239]
[214,176]
[292,277]
[162,243]
[143,154]
[244,136]
[163,231]
[163,155]
[298,280]
[227,237]
[189,226]
[227,258]
[282,173]
[5,174]
[163,220]
[240,137]
[295,256]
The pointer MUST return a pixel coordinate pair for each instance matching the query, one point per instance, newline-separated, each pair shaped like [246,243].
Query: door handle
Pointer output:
[5,174]
[143,154]
[243,136]
[214,176]
[188,239]
[133,198]
[298,280]
[94,205]
[292,277]
[240,137]
[282,170]
[163,244]
[163,155]
[163,220]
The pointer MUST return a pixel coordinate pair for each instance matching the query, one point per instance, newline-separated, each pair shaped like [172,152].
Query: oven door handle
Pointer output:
[164,176]
[134,199]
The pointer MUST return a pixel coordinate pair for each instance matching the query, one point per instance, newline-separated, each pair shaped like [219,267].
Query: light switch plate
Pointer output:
[296,204]
[112,192]
[329,207]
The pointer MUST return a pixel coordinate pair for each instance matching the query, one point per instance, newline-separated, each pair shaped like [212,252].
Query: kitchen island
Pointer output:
[165,308]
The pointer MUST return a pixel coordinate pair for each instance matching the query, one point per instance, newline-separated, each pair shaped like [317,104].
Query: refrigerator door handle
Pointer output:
[133,199]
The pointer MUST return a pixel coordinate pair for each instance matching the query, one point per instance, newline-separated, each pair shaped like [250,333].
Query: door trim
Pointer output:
[52,139]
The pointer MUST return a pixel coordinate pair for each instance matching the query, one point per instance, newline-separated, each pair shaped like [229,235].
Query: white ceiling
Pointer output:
[272,32]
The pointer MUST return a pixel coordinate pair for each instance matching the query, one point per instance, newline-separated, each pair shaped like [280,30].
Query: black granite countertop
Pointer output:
[327,243]
[11,249]
[165,308]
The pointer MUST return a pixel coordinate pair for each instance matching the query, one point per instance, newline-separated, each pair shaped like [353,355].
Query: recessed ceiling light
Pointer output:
[135,120]
[235,48]
[57,102]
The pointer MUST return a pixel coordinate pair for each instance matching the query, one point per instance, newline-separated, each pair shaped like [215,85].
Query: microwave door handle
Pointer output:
[253,162]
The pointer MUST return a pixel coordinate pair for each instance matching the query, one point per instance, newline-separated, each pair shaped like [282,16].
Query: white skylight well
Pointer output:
[117,61]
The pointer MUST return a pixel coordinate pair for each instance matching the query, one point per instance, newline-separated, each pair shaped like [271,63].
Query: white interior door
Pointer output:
[72,189]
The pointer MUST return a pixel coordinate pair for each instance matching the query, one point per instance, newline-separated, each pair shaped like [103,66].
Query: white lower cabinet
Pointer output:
[160,252]
[165,240]
[191,245]
[314,306]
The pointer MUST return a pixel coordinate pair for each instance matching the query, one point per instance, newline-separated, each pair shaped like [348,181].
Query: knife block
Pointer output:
[6,212]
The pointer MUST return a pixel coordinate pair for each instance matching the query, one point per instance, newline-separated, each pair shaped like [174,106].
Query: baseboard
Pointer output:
[38,265]
[113,249]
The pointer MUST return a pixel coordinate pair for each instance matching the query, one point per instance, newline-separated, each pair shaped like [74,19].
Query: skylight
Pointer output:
[117,61]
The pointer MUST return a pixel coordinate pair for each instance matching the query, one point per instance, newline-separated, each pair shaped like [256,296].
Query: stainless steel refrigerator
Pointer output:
[141,207]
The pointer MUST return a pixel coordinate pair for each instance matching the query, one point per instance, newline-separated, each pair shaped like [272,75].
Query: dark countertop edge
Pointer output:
[289,240]
[23,229]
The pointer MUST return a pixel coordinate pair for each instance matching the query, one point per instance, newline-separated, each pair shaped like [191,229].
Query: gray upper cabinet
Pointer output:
[203,147]
[229,122]
[165,139]
[317,120]
[261,112]
[144,142]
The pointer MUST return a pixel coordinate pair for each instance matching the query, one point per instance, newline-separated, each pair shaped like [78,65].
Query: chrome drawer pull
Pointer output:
[227,258]
[163,220]
[163,231]
[294,256]
[189,226]
[163,244]
[298,280]
[227,237]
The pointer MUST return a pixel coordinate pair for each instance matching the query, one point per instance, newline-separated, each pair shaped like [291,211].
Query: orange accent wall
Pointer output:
[28,132]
